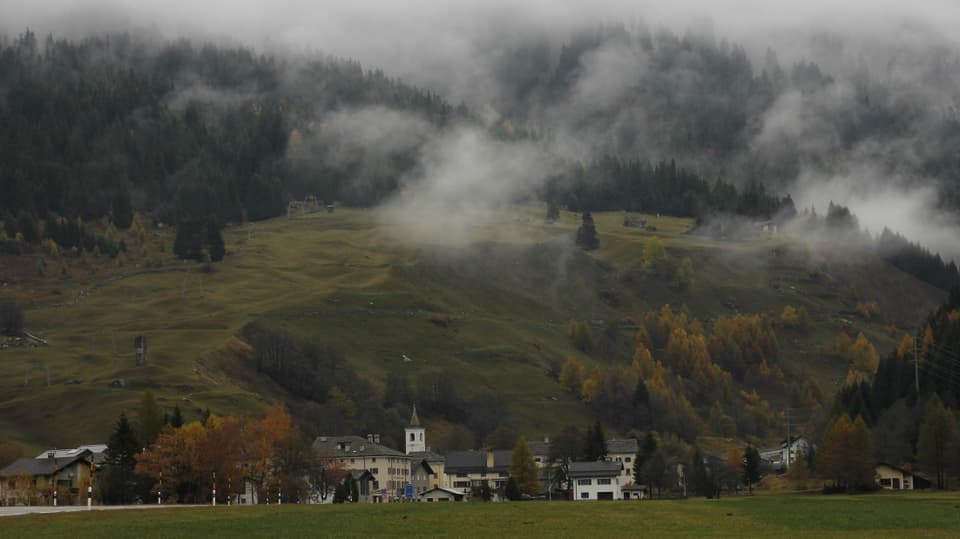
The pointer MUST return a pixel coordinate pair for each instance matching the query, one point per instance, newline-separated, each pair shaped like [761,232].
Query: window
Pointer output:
[885,482]
[421,436]
[584,495]
[374,470]
[626,471]
[461,484]
[536,459]
[626,459]
[584,481]
[374,459]
[618,459]
[603,481]
[413,437]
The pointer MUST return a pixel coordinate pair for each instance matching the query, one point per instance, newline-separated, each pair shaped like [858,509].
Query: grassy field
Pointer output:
[877,515]
[348,280]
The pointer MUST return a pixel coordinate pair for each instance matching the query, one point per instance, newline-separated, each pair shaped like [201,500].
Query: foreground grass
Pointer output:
[880,515]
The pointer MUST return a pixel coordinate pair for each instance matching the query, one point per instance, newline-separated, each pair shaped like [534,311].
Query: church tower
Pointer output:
[415,436]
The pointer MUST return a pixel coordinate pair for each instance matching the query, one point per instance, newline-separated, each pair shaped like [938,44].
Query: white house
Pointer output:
[596,480]
[440,494]
[782,457]
[891,477]
[625,452]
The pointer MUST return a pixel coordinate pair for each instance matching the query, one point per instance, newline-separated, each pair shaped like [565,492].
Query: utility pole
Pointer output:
[90,489]
[214,489]
[160,489]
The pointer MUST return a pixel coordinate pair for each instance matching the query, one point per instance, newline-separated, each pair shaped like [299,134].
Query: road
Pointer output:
[44,509]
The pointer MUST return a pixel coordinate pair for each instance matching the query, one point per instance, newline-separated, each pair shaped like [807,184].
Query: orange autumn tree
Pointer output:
[229,448]
[265,437]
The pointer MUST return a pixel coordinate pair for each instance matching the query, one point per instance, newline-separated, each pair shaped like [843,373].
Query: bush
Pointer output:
[11,318]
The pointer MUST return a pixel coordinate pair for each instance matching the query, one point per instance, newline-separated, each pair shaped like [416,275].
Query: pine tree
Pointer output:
[647,448]
[751,466]
[587,233]
[553,212]
[122,210]
[151,419]
[938,441]
[176,420]
[595,446]
[523,469]
[512,490]
[122,450]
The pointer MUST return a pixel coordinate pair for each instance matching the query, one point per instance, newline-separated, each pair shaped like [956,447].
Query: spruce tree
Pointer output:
[151,419]
[751,466]
[587,233]
[176,420]
[122,450]
[122,210]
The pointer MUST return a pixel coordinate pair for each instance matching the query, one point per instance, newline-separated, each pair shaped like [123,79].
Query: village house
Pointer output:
[891,477]
[469,471]
[596,480]
[440,494]
[389,468]
[782,457]
[31,481]
[624,452]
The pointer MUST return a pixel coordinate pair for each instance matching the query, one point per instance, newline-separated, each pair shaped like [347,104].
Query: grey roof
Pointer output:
[67,453]
[473,461]
[354,446]
[45,466]
[455,493]
[600,468]
[619,447]
[539,448]
[414,420]
[428,456]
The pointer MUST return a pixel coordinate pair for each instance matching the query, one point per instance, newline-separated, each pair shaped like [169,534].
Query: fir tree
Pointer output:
[151,419]
[176,420]
[587,233]
[122,450]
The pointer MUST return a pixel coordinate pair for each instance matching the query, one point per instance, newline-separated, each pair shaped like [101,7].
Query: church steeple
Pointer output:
[415,435]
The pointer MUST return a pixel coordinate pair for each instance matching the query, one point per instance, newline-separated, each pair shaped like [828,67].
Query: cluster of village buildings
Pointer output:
[383,474]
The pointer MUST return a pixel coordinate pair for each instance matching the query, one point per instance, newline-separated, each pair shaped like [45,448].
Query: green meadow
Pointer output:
[876,515]
[351,280]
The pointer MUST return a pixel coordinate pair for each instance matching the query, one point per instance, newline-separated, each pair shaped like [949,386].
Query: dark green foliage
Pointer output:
[27,226]
[313,372]
[587,233]
[176,420]
[122,210]
[751,466]
[637,186]
[70,233]
[11,319]
[648,446]
[512,490]
[699,475]
[120,483]
[9,224]
[595,443]
[79,118]
[150,419]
